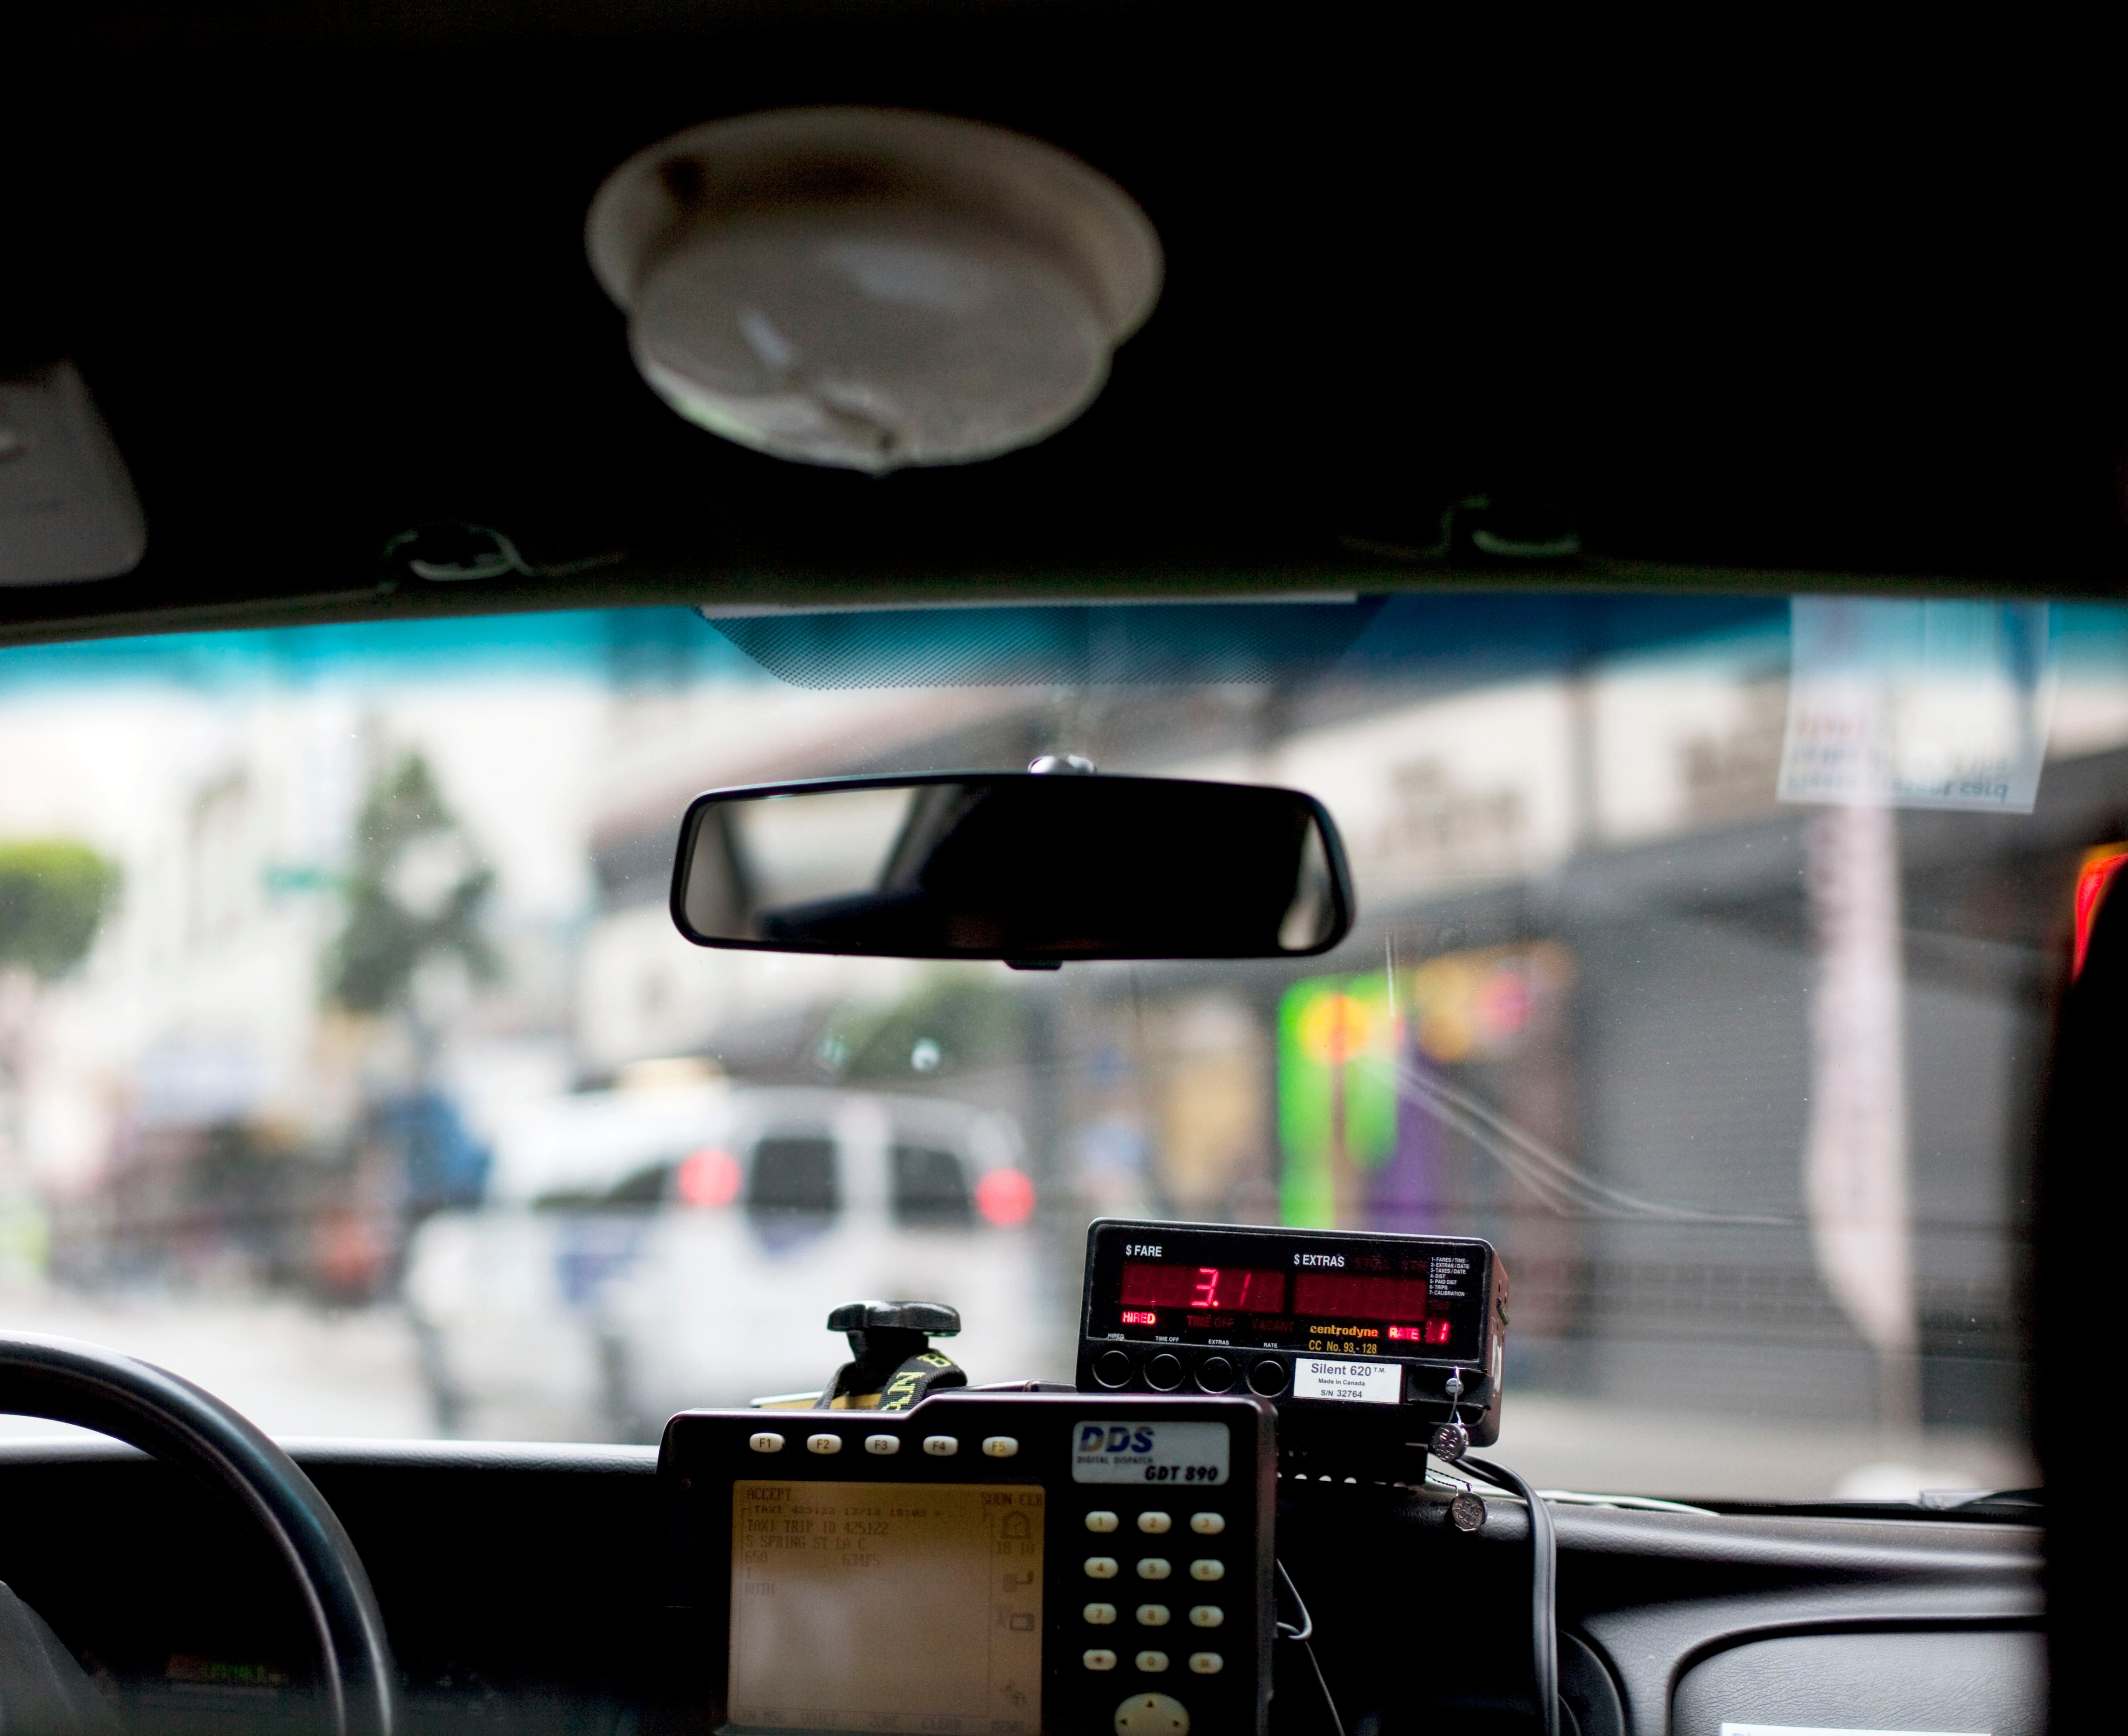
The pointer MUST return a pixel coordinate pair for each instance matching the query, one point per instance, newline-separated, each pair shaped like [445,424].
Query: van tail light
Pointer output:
[709,1177]
[1005,1197]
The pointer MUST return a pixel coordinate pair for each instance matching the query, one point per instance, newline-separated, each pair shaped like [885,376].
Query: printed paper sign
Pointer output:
[1351,1383]
[1917,705]
[1148,1453]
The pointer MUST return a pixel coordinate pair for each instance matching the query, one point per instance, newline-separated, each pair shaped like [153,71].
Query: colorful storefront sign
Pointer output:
[1353,1152]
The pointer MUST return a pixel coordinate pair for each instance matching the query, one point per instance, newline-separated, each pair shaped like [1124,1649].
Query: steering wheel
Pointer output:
[67,1381]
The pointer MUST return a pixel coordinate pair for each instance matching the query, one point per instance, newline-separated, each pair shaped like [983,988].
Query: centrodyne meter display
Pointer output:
[1303,1318]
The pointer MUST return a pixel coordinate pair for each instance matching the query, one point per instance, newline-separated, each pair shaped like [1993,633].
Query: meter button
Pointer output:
[1157,1566]
[1208,1524]
[941,1446]
[1153,1615]
[1101,1522]
[1215,1374]
[1152,1715]
[1098,1658]
[882,1444]
[823,1443]
[1100,1615]
[1163,1373]
[1206,1663]
[1206,1615]
[1151,1662]
[1208,1571]
[1155,1523]
[765,1442]
[1112,1367]
[1000,1446]
[1100,1567]
[1267,1379]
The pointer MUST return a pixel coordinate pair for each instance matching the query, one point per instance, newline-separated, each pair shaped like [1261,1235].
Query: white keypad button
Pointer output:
[1151,1662]
[765,1442]
[1100,1615]
[1155,1523]
[941,1446]
[882,1444]
[1098,1658]
[1155,1567]
[1206,1663]
[1208,1524]
[1100,1567]
[1000,1446]
[823,1443]
[1208,1571]
[1101,1521]
[1206,1615]
[1153,1615]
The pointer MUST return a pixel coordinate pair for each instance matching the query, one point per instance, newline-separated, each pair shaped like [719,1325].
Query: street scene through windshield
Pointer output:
[351,1064]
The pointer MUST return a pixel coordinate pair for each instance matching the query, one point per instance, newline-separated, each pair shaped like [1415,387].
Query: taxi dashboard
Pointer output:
[530,1589]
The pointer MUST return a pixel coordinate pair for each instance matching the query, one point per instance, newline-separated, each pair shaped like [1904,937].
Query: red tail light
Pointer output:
[1005,1197]
[709,1177]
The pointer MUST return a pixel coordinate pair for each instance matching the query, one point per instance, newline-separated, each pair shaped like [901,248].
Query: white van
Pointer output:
[640,1251]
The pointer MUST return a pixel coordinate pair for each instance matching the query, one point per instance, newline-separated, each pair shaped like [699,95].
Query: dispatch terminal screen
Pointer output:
[900,1607]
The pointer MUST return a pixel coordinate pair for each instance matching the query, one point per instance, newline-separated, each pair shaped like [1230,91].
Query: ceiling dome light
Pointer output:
[869,288]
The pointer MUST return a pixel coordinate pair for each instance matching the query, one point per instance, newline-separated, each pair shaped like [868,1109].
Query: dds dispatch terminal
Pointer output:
[984,1564]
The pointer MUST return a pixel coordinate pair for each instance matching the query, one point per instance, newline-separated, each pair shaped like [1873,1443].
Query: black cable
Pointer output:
[1544,1566]
[1300,1635]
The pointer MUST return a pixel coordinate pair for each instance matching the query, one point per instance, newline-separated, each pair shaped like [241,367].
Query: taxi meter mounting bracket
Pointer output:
[892,1366]
[1371,1346]
[984,1564]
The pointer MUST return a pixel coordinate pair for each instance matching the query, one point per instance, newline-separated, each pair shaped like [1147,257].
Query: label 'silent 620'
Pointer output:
[1148,1453]
[1355,1383]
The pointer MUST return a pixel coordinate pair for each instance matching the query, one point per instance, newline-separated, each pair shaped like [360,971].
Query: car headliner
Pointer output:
[322,266]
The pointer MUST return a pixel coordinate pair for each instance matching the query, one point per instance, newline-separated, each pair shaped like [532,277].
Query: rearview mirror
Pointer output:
[1034,869]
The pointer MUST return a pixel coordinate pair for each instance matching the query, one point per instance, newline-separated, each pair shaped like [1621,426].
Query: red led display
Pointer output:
[1140,1317]
[1146,1284]
[1349,1296]
[1431,1332]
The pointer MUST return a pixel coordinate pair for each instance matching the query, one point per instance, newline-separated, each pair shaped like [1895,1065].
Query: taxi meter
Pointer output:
[980,1564]
[1363,1341]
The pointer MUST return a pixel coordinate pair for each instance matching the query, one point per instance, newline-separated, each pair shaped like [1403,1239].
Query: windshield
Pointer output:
[350,1063]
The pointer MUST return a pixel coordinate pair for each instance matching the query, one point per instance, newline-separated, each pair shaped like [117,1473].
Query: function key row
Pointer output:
[1164,1371]
[1205,1524]
[936,1446]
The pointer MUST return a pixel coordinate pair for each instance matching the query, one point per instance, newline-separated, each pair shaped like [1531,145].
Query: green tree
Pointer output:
[54,896]
[416,891]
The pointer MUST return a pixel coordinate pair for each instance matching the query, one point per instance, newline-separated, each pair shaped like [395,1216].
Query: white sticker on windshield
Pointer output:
[1352,1383]
[1917,705]
[1148,1453]
[1819,1730]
